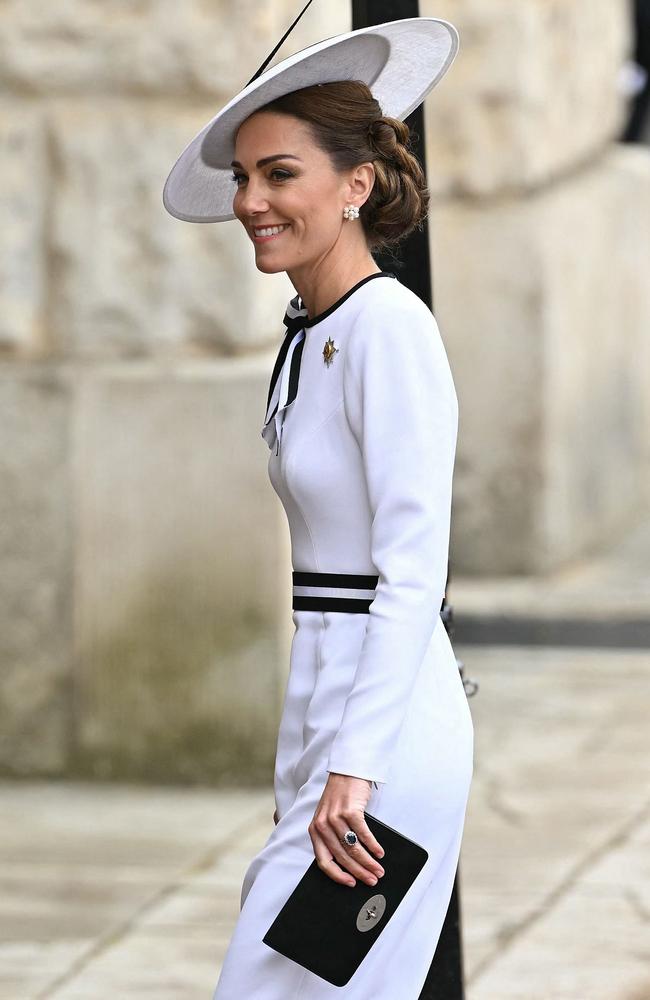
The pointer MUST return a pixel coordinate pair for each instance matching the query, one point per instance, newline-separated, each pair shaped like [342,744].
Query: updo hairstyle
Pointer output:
[347,123]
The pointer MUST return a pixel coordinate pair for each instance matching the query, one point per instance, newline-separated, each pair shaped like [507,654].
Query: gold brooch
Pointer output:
[329,351]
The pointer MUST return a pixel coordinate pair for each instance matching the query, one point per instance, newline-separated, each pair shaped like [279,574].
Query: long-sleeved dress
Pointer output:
[361,422]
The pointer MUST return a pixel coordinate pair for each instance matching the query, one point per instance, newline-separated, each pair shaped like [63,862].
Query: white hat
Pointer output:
[400,61]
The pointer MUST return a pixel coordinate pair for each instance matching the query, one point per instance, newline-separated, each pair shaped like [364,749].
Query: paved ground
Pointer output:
[126,892]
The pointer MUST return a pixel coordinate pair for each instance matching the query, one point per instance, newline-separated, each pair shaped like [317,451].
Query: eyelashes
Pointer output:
[283,175]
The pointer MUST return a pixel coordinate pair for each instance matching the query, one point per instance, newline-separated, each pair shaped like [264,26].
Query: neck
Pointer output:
[320,285]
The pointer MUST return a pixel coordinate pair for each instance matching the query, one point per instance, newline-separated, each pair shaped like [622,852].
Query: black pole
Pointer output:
[412,265]
[640,104]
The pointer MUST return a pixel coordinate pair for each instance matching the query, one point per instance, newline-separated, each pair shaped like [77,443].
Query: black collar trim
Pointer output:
[298,304]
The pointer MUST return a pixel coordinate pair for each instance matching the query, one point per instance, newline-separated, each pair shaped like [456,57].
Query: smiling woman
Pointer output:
[361,423]
[346,157]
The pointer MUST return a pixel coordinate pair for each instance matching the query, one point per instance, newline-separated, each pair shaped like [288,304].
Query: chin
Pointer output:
[269,266]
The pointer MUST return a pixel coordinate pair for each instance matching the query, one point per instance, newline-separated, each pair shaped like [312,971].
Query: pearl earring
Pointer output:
[350,212]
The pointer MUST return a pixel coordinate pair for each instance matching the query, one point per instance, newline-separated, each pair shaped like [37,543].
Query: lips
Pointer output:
[274,236]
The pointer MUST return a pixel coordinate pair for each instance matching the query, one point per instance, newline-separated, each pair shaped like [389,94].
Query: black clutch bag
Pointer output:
[329,928]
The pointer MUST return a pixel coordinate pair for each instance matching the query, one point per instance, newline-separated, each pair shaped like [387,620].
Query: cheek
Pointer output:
[320,219]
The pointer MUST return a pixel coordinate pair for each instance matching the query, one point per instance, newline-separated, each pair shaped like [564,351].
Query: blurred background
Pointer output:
[145,576]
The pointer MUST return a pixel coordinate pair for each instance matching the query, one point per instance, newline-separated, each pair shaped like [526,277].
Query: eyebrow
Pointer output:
[269,159]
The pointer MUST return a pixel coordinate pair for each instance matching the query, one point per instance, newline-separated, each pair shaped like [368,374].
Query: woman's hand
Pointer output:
[341,809]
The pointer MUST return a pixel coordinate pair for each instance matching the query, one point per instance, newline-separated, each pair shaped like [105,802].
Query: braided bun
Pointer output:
[399,200]
[347,123]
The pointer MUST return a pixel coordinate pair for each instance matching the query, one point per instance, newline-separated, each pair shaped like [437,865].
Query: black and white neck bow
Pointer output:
[283,386]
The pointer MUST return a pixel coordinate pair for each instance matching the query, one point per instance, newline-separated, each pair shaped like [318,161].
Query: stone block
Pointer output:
[128,279]
[151,48]
[36,528]
[22,212]
[533,92]
[183,585]
[544,308]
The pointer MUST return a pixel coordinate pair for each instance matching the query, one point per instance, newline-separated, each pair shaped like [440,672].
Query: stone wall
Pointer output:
[540,236]
[145,586]
[100,99]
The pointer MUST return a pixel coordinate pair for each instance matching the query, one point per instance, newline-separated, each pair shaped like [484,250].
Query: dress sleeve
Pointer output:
[401,405]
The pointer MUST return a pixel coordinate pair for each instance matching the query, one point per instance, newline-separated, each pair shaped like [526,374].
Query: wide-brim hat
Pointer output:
[400,61]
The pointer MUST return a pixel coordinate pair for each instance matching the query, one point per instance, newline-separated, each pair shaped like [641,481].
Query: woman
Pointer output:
[361,423]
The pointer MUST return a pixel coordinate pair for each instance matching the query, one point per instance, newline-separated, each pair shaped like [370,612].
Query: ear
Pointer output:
[362,181]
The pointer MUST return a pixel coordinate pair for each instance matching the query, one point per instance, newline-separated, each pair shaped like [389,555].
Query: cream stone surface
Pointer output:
[146,584]
[182,587]
[152,48]
[532,94]
[36,538]
[555,858]
[23,261]
[112,559]
[545,311]
[130,279]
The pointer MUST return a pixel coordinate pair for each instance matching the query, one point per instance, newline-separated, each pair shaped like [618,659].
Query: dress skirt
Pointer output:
[425,799]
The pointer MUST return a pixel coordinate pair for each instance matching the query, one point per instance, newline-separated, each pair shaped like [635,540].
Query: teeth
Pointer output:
[270,232]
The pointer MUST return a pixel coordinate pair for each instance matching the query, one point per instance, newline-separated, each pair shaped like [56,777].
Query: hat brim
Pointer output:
[400,61]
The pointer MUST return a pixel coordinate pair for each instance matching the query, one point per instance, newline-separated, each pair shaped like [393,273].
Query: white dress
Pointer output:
[362,457]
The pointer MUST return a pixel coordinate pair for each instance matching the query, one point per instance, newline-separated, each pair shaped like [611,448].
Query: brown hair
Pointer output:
[347,123]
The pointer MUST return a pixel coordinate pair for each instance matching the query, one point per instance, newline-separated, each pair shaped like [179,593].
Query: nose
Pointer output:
[252,200]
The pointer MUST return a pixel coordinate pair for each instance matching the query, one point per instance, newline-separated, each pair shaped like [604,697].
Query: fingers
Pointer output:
[364,832]
[337,859]
[327,864]
[357,859]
